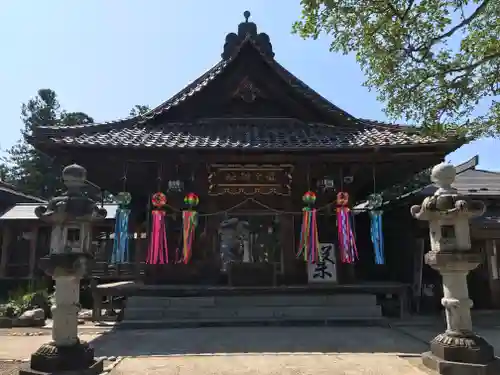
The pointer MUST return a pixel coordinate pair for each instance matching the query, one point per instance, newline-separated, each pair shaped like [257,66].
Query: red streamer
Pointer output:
[158,248]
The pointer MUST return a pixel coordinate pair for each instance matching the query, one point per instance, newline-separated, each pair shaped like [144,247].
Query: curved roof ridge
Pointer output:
[214,70]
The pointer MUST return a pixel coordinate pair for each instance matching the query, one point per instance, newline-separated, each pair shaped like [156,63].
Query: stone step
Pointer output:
[241,322]
[270,312]
[254,300]
[250,310]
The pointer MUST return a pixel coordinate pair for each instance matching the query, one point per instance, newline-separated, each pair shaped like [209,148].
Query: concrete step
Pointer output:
[240,322]
[254,312]
[263,300]
[148,311]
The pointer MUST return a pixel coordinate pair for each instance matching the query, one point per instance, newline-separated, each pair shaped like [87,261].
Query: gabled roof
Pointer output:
[420,185]
[26,211]
[339,129]
[15,195]
[473,182]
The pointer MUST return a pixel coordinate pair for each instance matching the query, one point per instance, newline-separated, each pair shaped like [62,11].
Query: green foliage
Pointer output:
[23,299]
[28,169]
[431,61]
[139,110]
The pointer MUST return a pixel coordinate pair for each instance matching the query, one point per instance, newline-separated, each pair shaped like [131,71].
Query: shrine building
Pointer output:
[246,147]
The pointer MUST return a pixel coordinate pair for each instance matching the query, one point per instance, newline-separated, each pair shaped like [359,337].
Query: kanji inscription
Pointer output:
[250,179]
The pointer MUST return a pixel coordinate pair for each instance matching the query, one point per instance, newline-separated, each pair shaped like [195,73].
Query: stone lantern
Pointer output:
[71,216]
[458,350]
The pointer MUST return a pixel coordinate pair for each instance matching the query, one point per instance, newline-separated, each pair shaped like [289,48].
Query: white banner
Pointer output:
[325,271]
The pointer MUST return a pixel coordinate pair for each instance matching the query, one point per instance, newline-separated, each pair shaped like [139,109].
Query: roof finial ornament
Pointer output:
[247,31]
[247,15]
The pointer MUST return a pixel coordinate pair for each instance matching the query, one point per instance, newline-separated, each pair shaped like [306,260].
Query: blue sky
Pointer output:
[103,57]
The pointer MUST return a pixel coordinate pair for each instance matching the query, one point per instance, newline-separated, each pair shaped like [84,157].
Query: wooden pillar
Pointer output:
[140,248]
[287,233]
[209,237]
[33,247]
[6,239]
[492,250]
[96,300]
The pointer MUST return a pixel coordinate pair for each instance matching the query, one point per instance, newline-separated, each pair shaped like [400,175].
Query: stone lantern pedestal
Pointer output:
[69,260]
[458,350]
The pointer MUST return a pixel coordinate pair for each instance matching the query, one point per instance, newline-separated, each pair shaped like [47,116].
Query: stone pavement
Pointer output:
[283,364]
[253,350]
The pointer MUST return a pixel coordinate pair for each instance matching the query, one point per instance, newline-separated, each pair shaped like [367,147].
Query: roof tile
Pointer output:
[245,134]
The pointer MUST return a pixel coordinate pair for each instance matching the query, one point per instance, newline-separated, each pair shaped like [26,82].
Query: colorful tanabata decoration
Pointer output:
[189,223]
[120,242]
[158,248]
[375,204]
[347,241]
[309,240]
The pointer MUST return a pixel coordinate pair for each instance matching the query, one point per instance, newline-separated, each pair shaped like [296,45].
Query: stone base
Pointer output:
[464,347]
[50,359]
[444,367]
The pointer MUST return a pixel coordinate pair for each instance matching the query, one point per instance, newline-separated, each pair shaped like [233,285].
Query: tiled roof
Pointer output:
[343,130]
[242,134]
[292,80]
[12,191]
[473,182]
[491,218]
[26,211]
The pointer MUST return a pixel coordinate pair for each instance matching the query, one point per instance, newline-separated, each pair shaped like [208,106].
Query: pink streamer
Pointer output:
[158,248]
[347,241]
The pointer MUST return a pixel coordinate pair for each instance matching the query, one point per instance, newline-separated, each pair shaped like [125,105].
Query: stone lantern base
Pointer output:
[456,353]
[51,359]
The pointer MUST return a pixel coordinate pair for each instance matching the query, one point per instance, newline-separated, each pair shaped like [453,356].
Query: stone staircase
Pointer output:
[233,310]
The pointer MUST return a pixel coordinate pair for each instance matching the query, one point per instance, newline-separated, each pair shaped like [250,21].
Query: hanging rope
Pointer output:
[245,201]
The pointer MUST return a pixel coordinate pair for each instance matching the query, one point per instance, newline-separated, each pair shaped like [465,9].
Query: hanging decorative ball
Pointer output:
[309,197]
[342,198]
[375,201]
[159,199]
[123,198]
[191,200]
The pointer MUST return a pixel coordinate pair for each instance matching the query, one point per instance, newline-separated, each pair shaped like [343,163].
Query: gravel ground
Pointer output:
[9,367]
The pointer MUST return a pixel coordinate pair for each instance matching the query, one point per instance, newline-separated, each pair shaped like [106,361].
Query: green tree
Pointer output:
[139,110]
[431,61]
[28,169]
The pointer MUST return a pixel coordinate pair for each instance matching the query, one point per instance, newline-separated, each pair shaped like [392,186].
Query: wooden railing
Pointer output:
[107,272]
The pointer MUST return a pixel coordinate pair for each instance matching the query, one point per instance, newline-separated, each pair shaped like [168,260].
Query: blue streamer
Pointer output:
[120,242]
[377,236]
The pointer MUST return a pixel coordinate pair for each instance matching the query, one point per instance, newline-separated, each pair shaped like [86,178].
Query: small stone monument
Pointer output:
[71,215]
[458,350]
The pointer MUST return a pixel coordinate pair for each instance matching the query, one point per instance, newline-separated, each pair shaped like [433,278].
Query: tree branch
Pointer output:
[408,8]
[443,73]
[395,12]
[454,29]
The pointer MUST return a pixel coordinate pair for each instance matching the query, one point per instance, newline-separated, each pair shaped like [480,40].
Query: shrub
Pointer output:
[24,299]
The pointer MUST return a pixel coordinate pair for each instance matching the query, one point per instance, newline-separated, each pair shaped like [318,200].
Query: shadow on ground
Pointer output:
[256,340]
